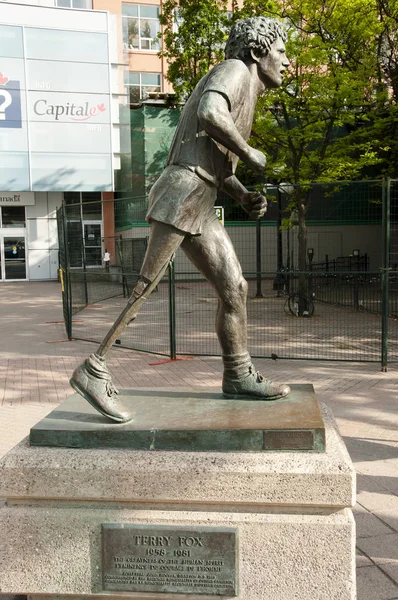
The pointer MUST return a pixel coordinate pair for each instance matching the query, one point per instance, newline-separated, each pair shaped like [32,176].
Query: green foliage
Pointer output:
[383,118]
[194,36]
[321,125]
[316,127]
[310,127]
[388,46]
[336,115]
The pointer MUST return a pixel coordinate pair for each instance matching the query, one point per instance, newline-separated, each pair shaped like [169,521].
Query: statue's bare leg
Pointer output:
[214,255]
[92,379]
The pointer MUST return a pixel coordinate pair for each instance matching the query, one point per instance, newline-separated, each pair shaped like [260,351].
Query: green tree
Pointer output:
[316,127]
[384,116]
[310,127]
[193,40]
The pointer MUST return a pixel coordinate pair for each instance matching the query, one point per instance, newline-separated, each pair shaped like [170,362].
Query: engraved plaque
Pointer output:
[289,439]
[161,559]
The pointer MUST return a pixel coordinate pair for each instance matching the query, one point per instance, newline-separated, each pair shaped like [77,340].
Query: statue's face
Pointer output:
[272,66]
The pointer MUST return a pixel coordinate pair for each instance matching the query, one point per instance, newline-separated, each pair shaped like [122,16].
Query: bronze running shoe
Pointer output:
[253,386]
[93,381]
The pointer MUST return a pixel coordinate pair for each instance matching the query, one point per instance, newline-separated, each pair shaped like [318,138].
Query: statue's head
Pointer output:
[255,34]
[261,40]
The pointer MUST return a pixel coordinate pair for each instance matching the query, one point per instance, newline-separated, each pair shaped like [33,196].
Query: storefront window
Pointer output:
[83,206]
[72,201]
[13,216]
[85,237]
[91,205]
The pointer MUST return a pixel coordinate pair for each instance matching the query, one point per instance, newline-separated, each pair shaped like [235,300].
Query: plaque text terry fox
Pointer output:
[180,560]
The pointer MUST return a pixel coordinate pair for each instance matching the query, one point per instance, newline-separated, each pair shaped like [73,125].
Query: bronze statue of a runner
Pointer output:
[210,137]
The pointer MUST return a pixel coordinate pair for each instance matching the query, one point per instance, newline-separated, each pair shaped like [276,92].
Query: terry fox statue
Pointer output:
[210,138]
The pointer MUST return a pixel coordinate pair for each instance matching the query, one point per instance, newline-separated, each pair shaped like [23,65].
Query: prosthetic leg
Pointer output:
[210,252]
[92,379]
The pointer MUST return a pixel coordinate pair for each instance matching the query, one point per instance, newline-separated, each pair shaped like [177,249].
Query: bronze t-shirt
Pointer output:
[191,146]
[185,193]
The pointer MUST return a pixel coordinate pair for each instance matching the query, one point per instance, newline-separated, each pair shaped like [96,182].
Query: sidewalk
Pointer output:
[34,378]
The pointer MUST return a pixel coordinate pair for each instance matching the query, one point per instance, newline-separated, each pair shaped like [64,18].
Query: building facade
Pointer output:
[69,72]
[61,116]
[139,26]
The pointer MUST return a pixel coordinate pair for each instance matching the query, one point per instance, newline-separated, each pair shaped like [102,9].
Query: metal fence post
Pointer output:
[280,279]
[172,311]
[85,270]
[355,289]
[310,279]
[289,264]
[385,273]
[259,293]
[67,283]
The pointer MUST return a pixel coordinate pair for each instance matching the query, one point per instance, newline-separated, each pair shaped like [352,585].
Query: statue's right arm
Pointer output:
[216,120]
[254,203]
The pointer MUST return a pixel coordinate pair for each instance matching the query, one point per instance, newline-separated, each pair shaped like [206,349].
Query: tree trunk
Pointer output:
[302,254]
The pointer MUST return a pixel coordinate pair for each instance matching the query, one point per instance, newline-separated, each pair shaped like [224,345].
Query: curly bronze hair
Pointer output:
[254,33]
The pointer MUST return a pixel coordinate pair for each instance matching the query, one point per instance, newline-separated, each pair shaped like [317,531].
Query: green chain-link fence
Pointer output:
[341,304]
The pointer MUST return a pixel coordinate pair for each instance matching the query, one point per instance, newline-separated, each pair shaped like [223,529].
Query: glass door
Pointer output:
[12,252]
[92,244]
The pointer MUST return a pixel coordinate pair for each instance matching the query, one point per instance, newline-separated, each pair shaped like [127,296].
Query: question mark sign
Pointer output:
[5,104]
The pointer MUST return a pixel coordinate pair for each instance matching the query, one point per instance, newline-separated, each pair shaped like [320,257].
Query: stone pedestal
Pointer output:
[291,512]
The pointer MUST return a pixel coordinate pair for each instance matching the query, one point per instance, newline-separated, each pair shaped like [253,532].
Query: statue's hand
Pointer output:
[255,204]
[256,160]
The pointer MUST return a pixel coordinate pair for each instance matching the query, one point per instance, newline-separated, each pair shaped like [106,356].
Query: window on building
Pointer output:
[91,206]
[84,235]
[83,206]
[138,85]
[73,208]
[86,4]
[12,216]
[141,27]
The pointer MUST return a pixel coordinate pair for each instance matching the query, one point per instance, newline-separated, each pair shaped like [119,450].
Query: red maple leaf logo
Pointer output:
[101,107]
[3,79]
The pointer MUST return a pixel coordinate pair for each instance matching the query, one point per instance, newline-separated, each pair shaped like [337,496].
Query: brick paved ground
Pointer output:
[34,378]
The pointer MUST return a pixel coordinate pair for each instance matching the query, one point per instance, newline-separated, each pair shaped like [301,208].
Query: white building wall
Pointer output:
[42,237]
[55,152]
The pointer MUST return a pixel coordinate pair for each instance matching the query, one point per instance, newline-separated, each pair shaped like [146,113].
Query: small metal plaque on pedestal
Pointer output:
[161,559]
